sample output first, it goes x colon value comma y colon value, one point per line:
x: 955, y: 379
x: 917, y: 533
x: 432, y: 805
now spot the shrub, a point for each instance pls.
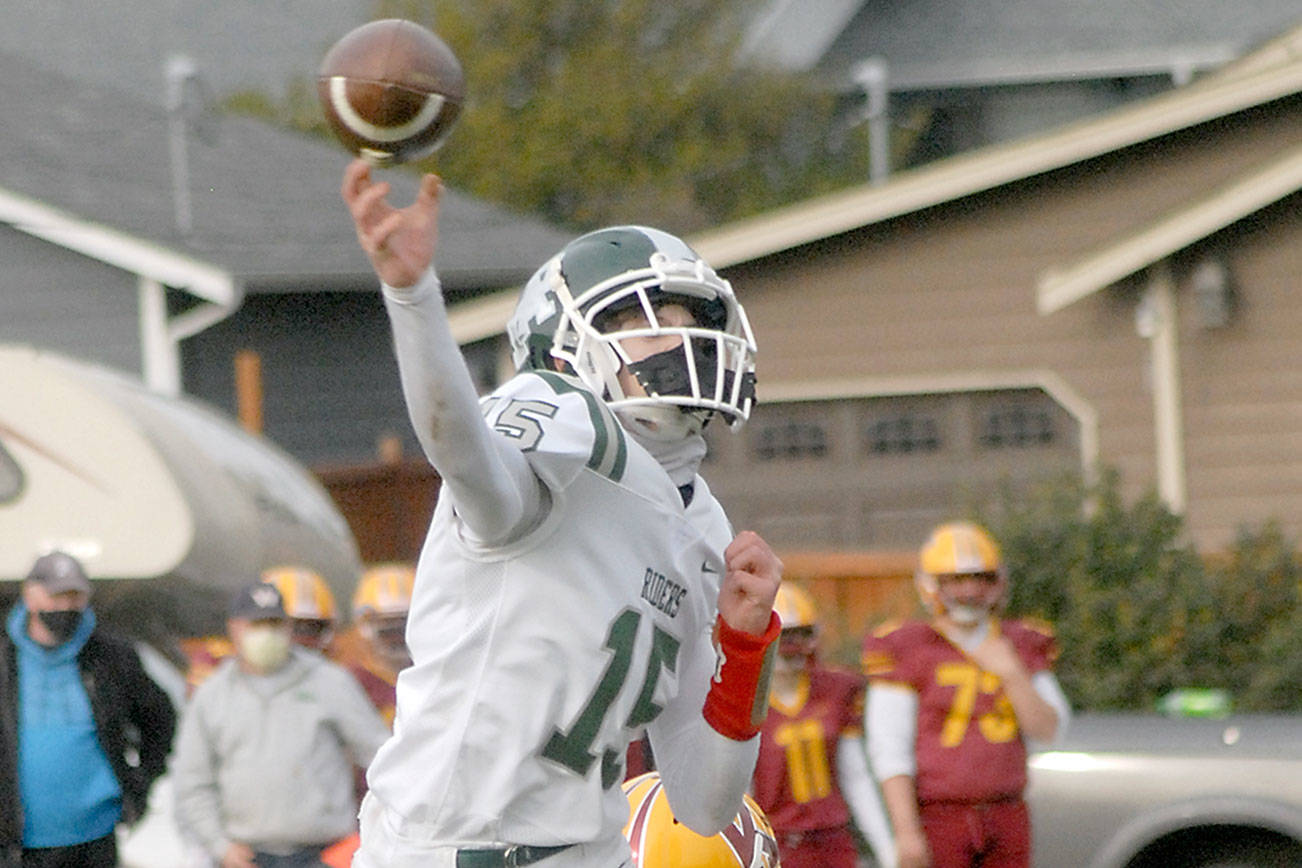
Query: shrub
x: 1137, y: 611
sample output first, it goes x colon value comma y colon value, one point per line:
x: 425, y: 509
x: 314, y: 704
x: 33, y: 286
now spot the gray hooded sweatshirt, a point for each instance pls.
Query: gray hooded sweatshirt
x: 267, y: 760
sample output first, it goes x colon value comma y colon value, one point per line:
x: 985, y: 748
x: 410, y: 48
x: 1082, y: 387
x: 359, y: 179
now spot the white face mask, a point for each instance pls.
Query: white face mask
x: 265, y: 648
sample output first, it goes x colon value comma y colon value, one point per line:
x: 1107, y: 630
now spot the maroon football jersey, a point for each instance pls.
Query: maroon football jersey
x: 380, y: 687
x: 795, y: 777
x: 968, y: 746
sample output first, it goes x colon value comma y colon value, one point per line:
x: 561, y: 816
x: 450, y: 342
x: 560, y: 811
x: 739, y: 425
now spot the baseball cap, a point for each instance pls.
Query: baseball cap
x: 58, y: 573
x: 260, y: 601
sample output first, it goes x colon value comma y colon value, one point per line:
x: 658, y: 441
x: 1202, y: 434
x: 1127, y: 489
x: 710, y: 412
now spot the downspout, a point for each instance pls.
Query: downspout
x: 1156, y: 320
x: 161, y: 335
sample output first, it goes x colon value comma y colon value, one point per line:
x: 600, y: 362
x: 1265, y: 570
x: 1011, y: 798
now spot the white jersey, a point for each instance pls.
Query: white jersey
x: 509, y: 729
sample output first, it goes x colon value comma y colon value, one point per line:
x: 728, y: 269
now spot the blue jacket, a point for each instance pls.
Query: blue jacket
x: 133, y: 716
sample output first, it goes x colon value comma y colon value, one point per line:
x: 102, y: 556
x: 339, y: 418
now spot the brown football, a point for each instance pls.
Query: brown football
x: 391, y: 91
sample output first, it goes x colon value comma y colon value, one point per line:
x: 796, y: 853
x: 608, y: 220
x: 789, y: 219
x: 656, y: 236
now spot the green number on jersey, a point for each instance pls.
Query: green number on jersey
x: 573, y: 749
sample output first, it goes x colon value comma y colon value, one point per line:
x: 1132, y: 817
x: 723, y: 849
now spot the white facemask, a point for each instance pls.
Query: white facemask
x: 265, y: 648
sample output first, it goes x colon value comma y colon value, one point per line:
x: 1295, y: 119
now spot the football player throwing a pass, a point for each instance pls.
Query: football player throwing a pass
x: 951, y: 703
x: 579, y: 584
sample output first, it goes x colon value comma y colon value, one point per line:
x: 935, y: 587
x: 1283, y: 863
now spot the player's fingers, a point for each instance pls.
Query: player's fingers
x: 369, y: 207
x: 743, y: 545
x: 371, y: 196
x: 376, y: 236
x: 356, y: 176
x: 750, y: 552
x: 431, y: 187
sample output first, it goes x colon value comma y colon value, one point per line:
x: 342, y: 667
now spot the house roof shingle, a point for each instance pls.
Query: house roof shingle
x: 264, y: 202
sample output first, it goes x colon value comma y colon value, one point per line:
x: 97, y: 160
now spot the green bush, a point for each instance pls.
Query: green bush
x: 1138, y: 612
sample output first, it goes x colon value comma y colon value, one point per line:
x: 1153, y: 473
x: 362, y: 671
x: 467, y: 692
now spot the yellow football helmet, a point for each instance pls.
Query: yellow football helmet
x: 660, y: 841
x: 799, y: 637
x: 385, y: 589
x: 380, y: 606
x: 957, y: 549
x: 795, y: 607
x: 308, y: 602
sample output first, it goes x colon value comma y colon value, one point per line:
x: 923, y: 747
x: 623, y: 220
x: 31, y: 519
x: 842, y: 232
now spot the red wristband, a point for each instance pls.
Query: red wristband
x: 739, y: 692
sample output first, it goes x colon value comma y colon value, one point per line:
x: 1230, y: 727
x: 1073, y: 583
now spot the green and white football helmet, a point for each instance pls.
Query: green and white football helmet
x: 568, y: 309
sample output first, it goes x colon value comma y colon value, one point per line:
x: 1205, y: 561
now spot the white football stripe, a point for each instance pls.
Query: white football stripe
x: 339, y: 100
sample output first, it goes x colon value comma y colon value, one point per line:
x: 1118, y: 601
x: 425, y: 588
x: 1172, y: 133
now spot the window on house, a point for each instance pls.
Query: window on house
x: 903, y: 434
x: 1016, y: 426
x: 787, y: 440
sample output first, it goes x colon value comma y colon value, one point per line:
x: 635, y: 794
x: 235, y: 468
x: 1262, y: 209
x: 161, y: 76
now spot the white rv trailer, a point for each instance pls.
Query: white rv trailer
x: 168, y: 502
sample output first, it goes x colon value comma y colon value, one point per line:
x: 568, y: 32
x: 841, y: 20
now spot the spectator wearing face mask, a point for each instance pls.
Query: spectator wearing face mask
x: 263, y: 772
x: 84, y: 732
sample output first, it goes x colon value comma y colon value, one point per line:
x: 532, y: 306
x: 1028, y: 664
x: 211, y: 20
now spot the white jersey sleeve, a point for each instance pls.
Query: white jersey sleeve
x: 492, y: 487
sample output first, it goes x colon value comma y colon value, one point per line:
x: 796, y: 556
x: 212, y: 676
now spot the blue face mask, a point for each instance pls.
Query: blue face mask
x: 61, y: 623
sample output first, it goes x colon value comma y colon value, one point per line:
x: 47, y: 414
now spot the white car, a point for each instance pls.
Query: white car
x: 1147, y: 791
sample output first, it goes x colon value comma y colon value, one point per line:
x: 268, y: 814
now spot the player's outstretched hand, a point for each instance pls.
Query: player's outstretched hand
x: 399, y: 241
x: 750, y: 583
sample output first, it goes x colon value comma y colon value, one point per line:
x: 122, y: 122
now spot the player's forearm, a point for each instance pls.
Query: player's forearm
x: 490, y: 481
x: 705, y: 774
x: 704, y: 771
x: 1036, y: 718
x: 861, y: 796
x: 901, y: 797
x: 1046, y: 685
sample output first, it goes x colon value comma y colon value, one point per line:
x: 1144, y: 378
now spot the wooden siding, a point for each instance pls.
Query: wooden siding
x: 1243, y: 386
x: 952, y: 289
x: 865, y: 487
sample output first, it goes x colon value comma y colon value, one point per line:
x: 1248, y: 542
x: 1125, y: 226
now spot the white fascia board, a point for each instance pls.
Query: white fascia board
x: 130, y: 253
x: 482, y: 317
x: 795, y: 34
x: 1071, y: 66
x: 1058, y: 287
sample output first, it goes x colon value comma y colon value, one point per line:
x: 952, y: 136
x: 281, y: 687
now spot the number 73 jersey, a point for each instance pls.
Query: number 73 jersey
x: 968, y: 746
x: 535, y: 662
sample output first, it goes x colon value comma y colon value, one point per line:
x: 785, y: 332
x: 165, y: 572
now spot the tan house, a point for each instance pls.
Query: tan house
x: 1123, y: 292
